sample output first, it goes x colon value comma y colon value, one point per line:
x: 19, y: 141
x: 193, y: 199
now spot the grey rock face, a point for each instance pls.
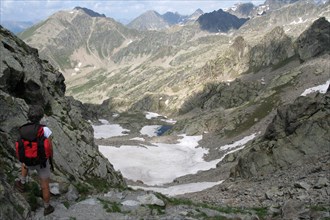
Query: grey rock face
x: 26, y: 79
x: 315, y: 40
x: 299, y: 132
x: 275, y: 47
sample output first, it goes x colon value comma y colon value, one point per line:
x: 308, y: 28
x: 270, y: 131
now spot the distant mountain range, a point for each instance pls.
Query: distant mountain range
x: 152, y: 20
x: 16, y: 26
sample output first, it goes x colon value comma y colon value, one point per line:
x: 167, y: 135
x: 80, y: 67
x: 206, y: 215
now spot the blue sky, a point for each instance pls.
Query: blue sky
x: 37, y: 10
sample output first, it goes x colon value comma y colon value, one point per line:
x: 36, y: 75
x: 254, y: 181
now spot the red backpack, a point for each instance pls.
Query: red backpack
x: 32, y: 147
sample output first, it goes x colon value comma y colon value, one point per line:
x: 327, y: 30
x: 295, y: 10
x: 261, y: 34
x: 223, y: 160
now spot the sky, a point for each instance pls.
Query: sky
x: 38, y: 10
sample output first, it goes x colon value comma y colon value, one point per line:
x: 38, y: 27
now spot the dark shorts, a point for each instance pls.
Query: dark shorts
x: 44, y: 172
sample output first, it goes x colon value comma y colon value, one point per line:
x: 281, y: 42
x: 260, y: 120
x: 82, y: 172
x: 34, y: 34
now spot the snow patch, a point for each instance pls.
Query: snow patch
x: 137, y: 139
x: 151, y: 115
x: 180, y: 189
x: 239, y: 143
x: 107, y: 130
x: 170, y: 121
x: 150, y: 130
x: 320, y: 88
x: 159, y: 164
x: 300, y: 21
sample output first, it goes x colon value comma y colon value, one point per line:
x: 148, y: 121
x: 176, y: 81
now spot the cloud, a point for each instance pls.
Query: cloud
x: 36, y: 10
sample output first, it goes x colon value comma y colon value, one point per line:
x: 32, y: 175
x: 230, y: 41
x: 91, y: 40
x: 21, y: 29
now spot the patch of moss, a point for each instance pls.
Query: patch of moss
x: 262, y: 110
x: 82, y: 189
x: 33, y: 192
x: 156, y: 209
x: 110, y: 206
x: 19, y: 209
x: 261, y: 211
x: 87, y: 86
x: 66, y: 204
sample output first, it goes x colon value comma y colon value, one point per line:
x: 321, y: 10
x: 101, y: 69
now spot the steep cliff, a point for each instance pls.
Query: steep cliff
x: 25, y: 79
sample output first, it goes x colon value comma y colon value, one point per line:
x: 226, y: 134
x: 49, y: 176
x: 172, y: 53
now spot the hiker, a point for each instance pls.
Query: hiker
x: 34, y: 150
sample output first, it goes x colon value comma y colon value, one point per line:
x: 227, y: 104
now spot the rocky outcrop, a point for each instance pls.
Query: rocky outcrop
x: 275, y: 47
x: 315, y: 40
x: 224, y: 95
x: 298, y: 134
x: 25, y: 80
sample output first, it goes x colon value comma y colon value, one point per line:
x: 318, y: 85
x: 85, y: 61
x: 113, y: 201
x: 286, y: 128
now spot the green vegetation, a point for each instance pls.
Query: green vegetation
x: 101, y: 185
x: 19, y: 209
x: 110, y: 206
x: 62, y: 60
x: 87, y: 86
x: 320, y: 208
x: 82, y: 188
x: 156, y: 209
x: 96, y: 73
x: 30, y: 31
x: 261, y: 211
x: 261, y: 111
x: 66, y: 204
x: 33, y: 192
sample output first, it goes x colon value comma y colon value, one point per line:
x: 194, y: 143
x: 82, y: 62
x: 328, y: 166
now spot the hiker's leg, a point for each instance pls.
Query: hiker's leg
x: 44, y: 183
x: 24, y: 173
x: 44, y: 175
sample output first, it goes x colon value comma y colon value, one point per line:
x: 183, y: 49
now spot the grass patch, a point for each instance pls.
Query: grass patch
x: 19, y: 209
x: 261, y: 211
x: 319, y: 208
x: 30, y: 31
x: 33, y: 192
x: 82, y: 189
x: 87, y: 86
x: 100, y: 185
x: 110, y: 206
x: 66, y: 204
x: 262, y: 110
x: 156, y: 209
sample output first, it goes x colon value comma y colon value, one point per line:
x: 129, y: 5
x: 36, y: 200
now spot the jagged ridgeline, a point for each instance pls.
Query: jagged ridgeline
x: 25, y: 79
x: 101, y: 59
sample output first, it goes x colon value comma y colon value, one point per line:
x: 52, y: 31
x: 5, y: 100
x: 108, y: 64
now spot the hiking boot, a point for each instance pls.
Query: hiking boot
x: 48, y: 210
x: 20, y: 186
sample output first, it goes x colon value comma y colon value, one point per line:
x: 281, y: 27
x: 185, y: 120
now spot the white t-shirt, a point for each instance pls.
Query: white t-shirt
x: 47, y: 132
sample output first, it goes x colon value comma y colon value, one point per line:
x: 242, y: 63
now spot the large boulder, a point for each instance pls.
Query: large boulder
x: 315, y: 40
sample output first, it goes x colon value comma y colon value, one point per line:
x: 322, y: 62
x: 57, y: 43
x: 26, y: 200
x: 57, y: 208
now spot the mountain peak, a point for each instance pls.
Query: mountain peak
x: 89, y: 12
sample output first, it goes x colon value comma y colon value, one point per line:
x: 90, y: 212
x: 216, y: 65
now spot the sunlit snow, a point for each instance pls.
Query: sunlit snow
x: 137, y: 139
x: 159, y: 164
x: 180, y: 189
x: 170, y: 121
x: 150, y: 130
x: 107, y: 130
x: 320, y: 88
x: 151, y: 115
x: 239, y: 143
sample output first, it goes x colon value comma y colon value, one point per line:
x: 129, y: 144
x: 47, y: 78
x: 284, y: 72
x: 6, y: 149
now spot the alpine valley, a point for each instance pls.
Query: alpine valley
x: 251, y: 81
